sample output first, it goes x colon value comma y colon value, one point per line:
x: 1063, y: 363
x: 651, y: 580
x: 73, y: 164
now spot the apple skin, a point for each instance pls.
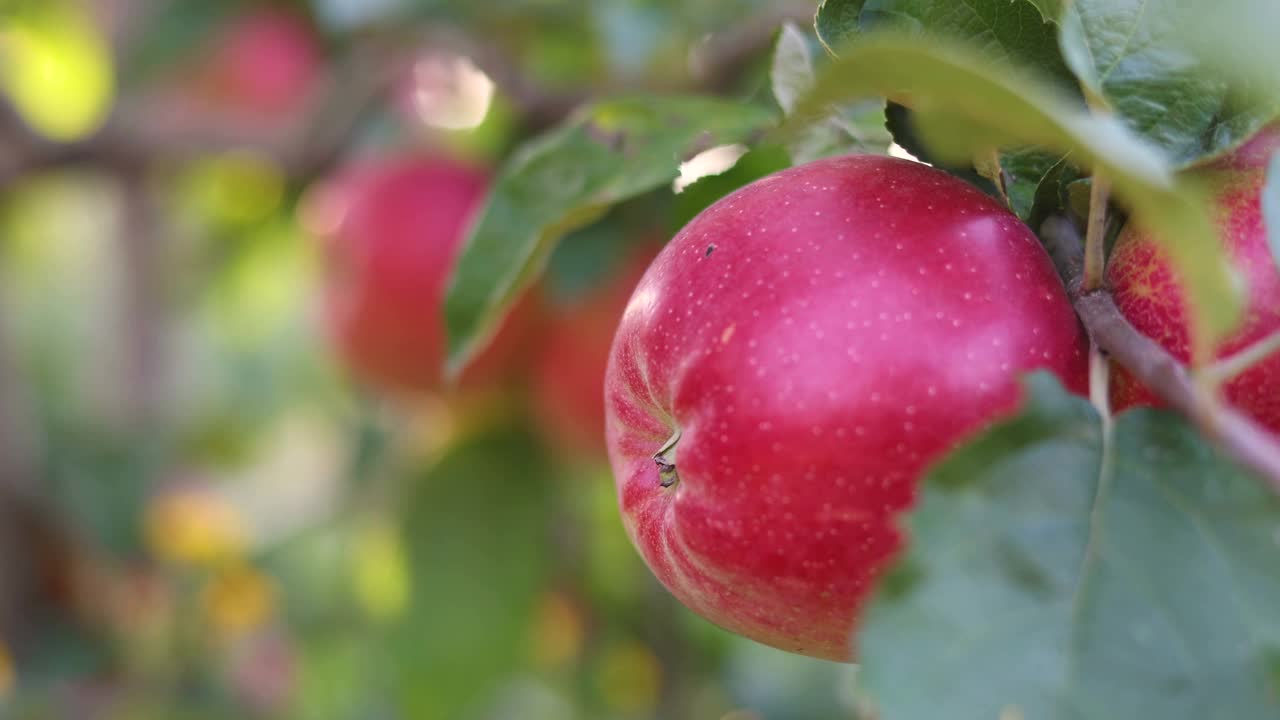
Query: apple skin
x: 570, y: 367
x: 398, y: 226
x: 819, y: 337
x: 1149, y: 293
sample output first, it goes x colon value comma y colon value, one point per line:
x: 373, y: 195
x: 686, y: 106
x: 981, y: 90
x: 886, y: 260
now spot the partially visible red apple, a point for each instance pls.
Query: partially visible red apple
x: 1150, y: 294
x: 569, y: 370
x: 791, y: 364
x: 395, y: 228
x: 266, y: 62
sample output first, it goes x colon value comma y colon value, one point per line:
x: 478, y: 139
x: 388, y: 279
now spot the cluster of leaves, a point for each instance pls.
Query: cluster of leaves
x: 1063, y: 565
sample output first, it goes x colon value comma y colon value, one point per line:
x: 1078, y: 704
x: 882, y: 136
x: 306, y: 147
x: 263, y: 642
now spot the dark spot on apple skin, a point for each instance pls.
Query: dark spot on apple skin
x: 710, y: 249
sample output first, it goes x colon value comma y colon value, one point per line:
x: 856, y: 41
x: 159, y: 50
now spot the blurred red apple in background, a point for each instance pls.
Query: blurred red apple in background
x: 569, y: 372
x: 395, y: 228
x: 266, y: 62
x: 791, y: 364
x: 1149, y: 293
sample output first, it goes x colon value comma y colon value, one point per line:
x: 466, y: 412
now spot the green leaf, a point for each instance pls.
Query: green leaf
x: 938, y: 77
x: 605, y: 153
x: 755, y: 164
x: 1235, y: 37
x: 476, y: 540
x: 1009, y: 31
x: 1271, y: 205
x: 791, y: 75
x: 1130, y: 58
x: 1050, y: 10
x: 902, y: 123
x: 1022, y: 171
x: 1050, y: 195
x: 856, y: 128
x: 837, y: 21
x: 1055, y: 575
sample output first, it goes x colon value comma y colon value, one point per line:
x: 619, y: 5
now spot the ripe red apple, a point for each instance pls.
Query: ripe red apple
x: 570, y: 367
x: 395, y: 229
x: 1149, y: 293
x: 793, y: 361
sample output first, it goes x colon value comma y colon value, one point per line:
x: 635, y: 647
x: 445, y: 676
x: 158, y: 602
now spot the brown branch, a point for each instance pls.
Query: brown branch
x: 1237, y: 435
x: 142, y: 302
x: 141, y: 131
x: 33, y: 545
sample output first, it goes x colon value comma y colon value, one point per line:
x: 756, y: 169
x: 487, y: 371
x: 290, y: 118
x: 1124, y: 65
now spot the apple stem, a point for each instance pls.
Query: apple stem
x: 665, y: 458
x: 1237, y: 363
x: 1095, y: 235
x: 1236, y: 434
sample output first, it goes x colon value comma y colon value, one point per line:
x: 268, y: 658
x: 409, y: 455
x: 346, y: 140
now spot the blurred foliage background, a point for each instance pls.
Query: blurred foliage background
x: 203, y: 514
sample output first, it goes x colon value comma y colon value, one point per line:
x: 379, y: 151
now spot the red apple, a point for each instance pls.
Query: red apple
x: 266, y: 62
x: 570, y: 367
x: 395, y: 228
x: 257, y: 73
x: 1149, y: 292
x: 791, y: 364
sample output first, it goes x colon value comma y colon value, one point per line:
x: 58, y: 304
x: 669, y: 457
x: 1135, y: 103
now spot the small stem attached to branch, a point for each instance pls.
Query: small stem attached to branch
x: 1237, y: 435
x: 1095, y: 236
x: 1238, y: 363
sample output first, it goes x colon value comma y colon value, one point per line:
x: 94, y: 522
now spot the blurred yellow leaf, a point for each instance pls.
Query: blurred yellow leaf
x: 239, y: 599
x: 6, y: 672
x: 56, y: 66
x: 557, y: 632
x: 381, y: 572
x: 194, y: 527
x: 239, y: 188
x: 630, y: 678
x: 265, y: 292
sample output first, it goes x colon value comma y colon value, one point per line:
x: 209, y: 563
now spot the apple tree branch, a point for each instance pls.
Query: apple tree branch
x: 1236, y: 434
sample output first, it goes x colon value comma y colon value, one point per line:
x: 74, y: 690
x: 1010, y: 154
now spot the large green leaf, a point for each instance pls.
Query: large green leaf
x: 1053, y: 574
x: 1050, y: 10
x: 1013, y: 32
x: 1130, y: 56
x: 975, y: 103
x: 1009, y: 31
x: 476, y: 541
x: 1235, y: 37
x: 837, y: 21
x: 604, y: 154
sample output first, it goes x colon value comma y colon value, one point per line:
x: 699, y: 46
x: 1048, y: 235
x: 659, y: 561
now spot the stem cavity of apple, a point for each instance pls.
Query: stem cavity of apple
x: 665, y: 458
